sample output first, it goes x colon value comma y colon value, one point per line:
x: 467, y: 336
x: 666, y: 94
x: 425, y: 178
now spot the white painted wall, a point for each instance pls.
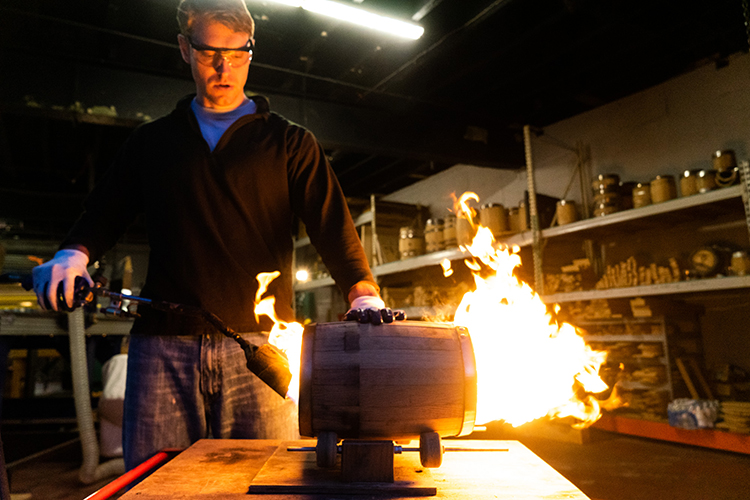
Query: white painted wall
x: 490, y: 184
x: 666, y: 129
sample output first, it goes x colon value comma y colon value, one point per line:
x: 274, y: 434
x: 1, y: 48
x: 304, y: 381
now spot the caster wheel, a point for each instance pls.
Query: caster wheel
x: 326, y: 450
x: 430, y: 450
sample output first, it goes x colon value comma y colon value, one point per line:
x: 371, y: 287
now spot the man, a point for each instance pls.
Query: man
x: 220, y: 180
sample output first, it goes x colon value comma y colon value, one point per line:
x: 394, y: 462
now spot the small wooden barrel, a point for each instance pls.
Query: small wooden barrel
x: 706, y: 181
x: 641, y: 195
x: 605, y: 183
x: 740, y: 263
x: 391, y: 381
x: 410, y: 243
x: 433, y: 235
x: 663, y: 188
x: 449, y: 231
x: 492, y: 216
x: 566, y: 212
x: 724, y: 160
x: 688, y: 183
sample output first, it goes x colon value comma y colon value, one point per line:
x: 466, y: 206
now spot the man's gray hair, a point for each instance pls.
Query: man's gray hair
x: 231, y: 13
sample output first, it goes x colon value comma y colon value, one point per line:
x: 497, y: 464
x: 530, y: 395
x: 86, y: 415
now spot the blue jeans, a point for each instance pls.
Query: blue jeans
x: 184, y: 388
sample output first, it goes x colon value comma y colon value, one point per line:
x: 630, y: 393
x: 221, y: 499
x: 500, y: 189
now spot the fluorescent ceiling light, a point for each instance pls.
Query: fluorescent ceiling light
x: 358, y: 16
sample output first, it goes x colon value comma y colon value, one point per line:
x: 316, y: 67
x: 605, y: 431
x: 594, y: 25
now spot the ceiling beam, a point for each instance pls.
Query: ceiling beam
x: 134, y: 95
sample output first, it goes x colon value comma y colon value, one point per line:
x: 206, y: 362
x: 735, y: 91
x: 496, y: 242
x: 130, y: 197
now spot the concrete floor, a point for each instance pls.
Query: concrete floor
x: 612, y: 467
x: 619, y: 467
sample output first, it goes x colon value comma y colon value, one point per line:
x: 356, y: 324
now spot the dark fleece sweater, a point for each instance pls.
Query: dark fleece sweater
x: 217, y: 219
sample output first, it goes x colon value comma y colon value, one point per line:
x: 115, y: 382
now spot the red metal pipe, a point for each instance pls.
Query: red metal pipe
x: 130, y: 476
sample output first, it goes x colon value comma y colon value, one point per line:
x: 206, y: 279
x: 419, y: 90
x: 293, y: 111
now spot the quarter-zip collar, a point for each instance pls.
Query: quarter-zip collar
x: 262, y: 111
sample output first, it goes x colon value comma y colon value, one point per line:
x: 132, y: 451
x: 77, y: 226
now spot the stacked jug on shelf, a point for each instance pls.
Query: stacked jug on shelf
x: 607, y: 199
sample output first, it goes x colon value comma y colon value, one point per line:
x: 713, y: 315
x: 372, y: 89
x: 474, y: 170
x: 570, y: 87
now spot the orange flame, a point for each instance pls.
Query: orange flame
x: 446, y: 265
x: 286, y: 336
x: 462, y: 208
x: 528, y: 366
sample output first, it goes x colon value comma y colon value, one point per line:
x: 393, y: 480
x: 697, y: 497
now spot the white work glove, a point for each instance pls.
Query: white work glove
x: 64, y: 267
x: 371, y: 309
x: 367, y: 302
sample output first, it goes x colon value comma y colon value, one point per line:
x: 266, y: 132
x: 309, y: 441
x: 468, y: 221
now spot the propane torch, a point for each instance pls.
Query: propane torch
x: 267, y: 362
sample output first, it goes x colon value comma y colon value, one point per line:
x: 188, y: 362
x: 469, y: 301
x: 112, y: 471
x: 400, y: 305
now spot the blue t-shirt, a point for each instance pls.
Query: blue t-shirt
x: 214, y: 123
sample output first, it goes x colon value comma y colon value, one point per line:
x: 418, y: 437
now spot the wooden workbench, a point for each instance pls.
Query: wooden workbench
x: 214, y: 469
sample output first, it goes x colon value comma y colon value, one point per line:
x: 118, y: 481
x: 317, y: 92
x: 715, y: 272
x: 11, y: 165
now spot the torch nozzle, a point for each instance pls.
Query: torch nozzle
x: 270, y: 365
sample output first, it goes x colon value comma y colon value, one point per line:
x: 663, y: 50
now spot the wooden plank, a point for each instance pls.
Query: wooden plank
x: 213, y: 467
x: 345, y: 422
x: 701, y: 379
x: 414, y: 329
x: 335, y: 395
x: 398, y: 414
x: 351, y: 376
x: 343, y: 375
x: 206, y: 471
x: 415, y: 376
x: 372, y: 343
x: 371, y: 396
x: 367, y: 460
x: 707, y: 438
x: 354, y: 427
x: 517, y: 474
x: 289, y: 472
x: 329, y: 340
x: 412, y: 396
x: 447, y: 426
x: 686, y: 378
x: 388, y: 358
x: 434, y: 361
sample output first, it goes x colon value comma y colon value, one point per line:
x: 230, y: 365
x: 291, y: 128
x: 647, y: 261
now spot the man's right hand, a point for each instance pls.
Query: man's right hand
x: 64, y: 267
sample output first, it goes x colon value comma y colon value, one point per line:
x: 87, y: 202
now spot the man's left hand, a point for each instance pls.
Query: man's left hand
x: 371, y: 309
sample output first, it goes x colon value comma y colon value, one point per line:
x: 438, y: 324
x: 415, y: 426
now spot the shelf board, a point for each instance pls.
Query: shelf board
x: 624, y: 338
x: 658, y: 319
x: 46, y: 324
x: 708, y: 438
x: 523, y: 239
x: 434, y: 258
x: 398, y: 266
x: 363, y: 218
x: 426, y: 260
x: 704, y: 285
x: 616, y: 220
x: 633, y: 385
x: 688, y: 207
x: 312, y: 285
x: 637, y: 361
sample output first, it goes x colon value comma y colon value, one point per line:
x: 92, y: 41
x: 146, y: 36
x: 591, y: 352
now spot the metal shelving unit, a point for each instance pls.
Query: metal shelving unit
x: 703, y: 206
x: 693, y: 286
x: 682, y: 208
x: 413, y: 263
x: 634, y: 361
x: 696, y: 207
x: 718, y: 200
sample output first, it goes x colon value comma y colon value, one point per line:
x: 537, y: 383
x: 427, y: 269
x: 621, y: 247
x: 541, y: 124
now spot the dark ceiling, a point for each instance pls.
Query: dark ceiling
x: 388, y: 111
